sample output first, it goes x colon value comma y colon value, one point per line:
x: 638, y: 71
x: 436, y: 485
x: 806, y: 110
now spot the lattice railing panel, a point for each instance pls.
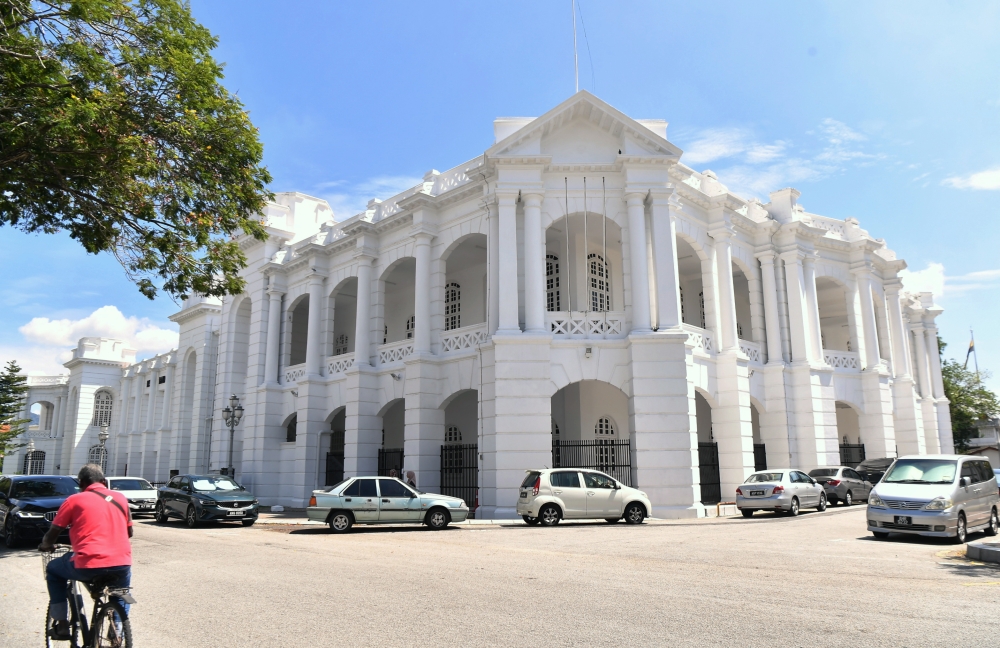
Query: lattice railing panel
x: 395, y: 351
x: 844, y: 360
x: 293, y: 373
x: 751, y: 350
x: 467, y: 337
x: 590, y: 325
x: 699, y: 338
x: 339, y: 364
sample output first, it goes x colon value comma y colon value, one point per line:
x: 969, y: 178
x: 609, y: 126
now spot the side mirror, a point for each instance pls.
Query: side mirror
x: 618, y: 486
x: 966, y: 482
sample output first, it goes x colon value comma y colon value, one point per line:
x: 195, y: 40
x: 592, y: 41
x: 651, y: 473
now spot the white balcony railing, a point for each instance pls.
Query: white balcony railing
x: 394, y: 351
x: 842, y: 360
x: 751, y: 350
x: 338, y: 364
x: 293, y: 373
x: 590, y: 326
x: 699, y: 338
x: 467, y: 337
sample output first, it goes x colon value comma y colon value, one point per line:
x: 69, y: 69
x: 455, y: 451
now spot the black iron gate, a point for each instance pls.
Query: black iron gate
x: 334, y: 468
x: 708, y: 463
x: 759, y: 457
x: 390, y: 459
x: 613, y: 458
x: 460, y: 472
x: 851, y: 454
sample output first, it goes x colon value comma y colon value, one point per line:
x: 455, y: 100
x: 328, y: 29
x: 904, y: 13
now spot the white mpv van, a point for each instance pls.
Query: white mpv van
x: 946, y: 496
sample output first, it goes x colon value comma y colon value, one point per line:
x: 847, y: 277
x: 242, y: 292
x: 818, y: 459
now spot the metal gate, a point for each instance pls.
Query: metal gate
x: 460, y: 472
x: 759, y: 457
x: 708, y: 463
x: 390, y: 459
x: 851, y: 454
x: 334, y: 468
x: 612, y: 457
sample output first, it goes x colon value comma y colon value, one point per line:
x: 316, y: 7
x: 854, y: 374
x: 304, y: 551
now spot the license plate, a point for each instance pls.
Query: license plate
x: 524, y: 494
x: 903, y: 520
x: 145, y: 506
x: 234, y: 513
x: 754, y: 493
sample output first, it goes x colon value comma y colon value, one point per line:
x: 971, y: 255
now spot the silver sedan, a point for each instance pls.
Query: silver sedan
x: 784, y: 490
x: 382, y: 500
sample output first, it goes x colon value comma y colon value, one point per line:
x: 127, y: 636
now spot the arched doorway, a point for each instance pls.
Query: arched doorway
x: 710, y: 477
x: 852, y: 450
x: 333, y: 446
x: 590, y: 429
x: 759, y: 449
x: 460, y: 450
x: 390, y: 454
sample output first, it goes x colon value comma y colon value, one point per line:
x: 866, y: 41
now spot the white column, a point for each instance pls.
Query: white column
x: 772, y: 326
x: 273, y: 337
x: 56, y: 415
x: 509, y: 324
x: 868, y: 328
x: 154, y: 377
x: 934, y: 361
x: 812, y: 308
x: 921, y: 359
x: 900, y: 342
x: 798, y: 318
x: 727, y: 297
x: 422, y: 294
x: 168, y: 393
x: 139, y: 380
x: 637, y: 256
x: 493, y: 271
x: 534, y: 265
x: 362, y: 326
x: 314, y: 335
x: 668, y: 301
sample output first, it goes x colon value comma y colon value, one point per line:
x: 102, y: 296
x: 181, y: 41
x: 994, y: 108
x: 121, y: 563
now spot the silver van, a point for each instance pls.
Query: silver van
x: 946, y: 496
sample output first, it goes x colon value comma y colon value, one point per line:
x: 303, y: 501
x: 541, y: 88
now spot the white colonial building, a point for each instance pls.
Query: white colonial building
x: 574, y: 295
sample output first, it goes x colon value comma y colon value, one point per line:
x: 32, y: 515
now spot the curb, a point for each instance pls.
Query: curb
x: 983, y: 551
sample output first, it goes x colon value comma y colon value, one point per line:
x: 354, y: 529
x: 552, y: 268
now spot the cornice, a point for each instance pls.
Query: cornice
x: 194, y: 311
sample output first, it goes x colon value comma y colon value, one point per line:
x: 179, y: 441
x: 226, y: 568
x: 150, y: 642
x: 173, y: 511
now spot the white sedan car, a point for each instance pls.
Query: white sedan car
x: 782, y: 490
x: 140, y: 493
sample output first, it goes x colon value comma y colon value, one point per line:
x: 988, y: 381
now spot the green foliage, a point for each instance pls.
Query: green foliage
x: 13, y: 390
x: 114, y: 128
x: 970, y: 400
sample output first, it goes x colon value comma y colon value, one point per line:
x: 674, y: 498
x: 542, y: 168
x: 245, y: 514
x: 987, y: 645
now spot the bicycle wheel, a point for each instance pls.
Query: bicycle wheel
x: 112, y: 628
x: 74, y: 630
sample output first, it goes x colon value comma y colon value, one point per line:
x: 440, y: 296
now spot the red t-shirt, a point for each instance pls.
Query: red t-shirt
x: 97, y: 529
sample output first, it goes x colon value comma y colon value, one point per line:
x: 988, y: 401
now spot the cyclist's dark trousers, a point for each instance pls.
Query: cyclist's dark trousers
x: 61, y: 570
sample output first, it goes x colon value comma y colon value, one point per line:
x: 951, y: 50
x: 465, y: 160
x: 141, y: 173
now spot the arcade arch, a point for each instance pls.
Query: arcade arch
x: 691, y: 284
x: 583, y: 264
x: 834, y: 323
x: 397, y: 289
x: 241, y: 345
x: 345, y: 312
x: 465, y: 283
x: 298, y: 330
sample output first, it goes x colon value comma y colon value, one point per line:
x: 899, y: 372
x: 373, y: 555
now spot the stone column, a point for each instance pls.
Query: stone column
x: 422, y: 294
x: 493, y: 270
x: 362, y: 322
x: 507, y: 262
x: 168, y: 398
x: 56, y: 413
x: 314, y: 334
x: 812, y: 305
x: 869, y: 330
x: 534, y: 265
x: 923, y: 383
x: 772, y: 326
x: 273, y: 337
x: 897, y: 332
x: 798, y: 319
x: 638, y: 265
x: 139, y: 379
x: 934, y: 361
x: 154, y: 377
x: 941, y: 404
x: 668, y: 303
x: 727, y: 297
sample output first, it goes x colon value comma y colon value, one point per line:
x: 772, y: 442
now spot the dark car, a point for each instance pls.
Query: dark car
x: 28, y: 504
x: 842, y: 485
x: 205, y: 498
x: 872, y: 470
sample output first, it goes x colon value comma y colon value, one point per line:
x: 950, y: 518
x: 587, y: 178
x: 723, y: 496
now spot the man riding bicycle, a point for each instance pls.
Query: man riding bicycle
x: 99, y: 530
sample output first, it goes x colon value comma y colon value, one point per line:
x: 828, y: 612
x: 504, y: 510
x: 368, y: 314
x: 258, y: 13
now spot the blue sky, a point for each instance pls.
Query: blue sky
x: 887, y: 112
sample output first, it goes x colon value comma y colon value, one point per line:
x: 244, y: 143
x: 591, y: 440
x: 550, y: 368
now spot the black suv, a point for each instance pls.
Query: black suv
x: 28, y: 504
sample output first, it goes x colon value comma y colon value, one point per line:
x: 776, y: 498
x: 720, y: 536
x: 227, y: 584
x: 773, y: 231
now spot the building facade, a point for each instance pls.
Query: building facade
x: 574, y: 294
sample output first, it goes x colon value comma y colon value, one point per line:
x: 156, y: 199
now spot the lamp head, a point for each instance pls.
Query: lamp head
x: 238, y: 413
x: 103, y: 434
x: 234, y: 401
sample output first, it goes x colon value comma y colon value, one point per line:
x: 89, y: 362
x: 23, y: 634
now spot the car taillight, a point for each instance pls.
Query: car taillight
x: 778, y: 490
x: 538, y: 483
x: 312, y: 501
x: 833, y: 482
x: 738, y: 491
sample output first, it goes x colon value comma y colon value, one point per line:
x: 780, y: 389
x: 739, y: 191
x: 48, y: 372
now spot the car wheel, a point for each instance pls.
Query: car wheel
x: 340, y: 522
x: 530, y: 520
x: 822, y: 503
x: 793, y: 510
x: 549, y: 515
x: 9, y: 533
x: 191, y: 518
x: 612, y: 520
x: 848, y: 499
x: 961, y: 530
x: 160, y: 515
x: 748, y: 513
x: 994, y: 526
x: 880, y: 535
x: 248, y: 523
x: 635, y: 513
x: 437, y: 519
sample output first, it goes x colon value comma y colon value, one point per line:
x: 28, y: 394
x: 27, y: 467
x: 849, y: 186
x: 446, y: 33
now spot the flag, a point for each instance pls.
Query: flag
x: 972, y: 348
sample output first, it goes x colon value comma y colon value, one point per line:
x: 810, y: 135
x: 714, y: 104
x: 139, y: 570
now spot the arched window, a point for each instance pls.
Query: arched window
x: 604, y: 429
x: 599, y: 283
x: 340, y: 347
x: 410, y: 324
x: 34, y: 463
x: 102, y: 408
x: 552, y: 298
x: 98, y: 455
x: 452, y: 307
x: 453, y: 435
x: 290, y: 429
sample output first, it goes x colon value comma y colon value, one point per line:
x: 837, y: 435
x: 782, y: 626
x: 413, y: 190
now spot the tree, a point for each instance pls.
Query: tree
x: 970, y: 400
x: 114, y: 128
x: 13, y: 388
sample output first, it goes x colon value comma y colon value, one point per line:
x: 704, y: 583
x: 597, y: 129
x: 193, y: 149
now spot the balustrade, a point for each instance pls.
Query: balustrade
x: 394, y: 351
x: 751, y: 350
x: 339, y: 363
x: 467, y: 337
x: 842, y: 360
x: 699, y: 338
x: 589, y: 325
x: 293, y: 373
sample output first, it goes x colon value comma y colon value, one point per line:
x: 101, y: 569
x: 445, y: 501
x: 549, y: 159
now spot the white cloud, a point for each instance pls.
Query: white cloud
x: 930, y: 279
x: 715, y: 144
x: 988, y: 180
x: 934, y: 279
x: 348, y: 199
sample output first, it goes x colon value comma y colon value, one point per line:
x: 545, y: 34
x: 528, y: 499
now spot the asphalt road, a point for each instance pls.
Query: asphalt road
x: 815, y: 580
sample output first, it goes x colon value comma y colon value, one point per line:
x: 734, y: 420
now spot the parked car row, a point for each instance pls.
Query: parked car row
x: 786, y: 490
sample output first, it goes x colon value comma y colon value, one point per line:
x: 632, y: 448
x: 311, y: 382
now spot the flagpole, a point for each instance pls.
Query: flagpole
x: 975, y: 356
x: 576, y: 60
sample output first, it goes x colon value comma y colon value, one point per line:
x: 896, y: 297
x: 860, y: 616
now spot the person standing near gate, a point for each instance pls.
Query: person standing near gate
x: 411, y: 479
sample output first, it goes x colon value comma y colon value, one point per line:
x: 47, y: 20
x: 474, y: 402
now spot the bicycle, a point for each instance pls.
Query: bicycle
x: 109, y: 626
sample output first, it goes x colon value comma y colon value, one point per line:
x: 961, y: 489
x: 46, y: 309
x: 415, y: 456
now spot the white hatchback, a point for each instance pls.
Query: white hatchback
x: 547, y: 496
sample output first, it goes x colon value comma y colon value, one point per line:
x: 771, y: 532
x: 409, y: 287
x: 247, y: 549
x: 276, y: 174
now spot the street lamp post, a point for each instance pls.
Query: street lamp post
x: 232, y: 415
x: 103, y: 436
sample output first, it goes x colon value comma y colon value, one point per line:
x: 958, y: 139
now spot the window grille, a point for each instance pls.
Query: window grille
x: 290, y: 429
x: 340, y: 347
x: 682, y: 302
x: 34, y: 463
x: 102, y: 408
x: 453, y: 435
x: 599, y: 278
x: 552, y: 297
x: 605, y: 432
x: 385, y: 334
x: 410, y: 324
x: 701, y: 301
x: 98, y: 454
x: 452, y: 307
x: 739, y: 330
x: 604, y: 428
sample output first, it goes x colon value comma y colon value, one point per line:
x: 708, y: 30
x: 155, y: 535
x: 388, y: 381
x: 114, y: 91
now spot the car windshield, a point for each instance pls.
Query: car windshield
x: 759, y: 478
x: 529, y: 479
x: 51, y: 487
x: 130, y: 485
x: 824, y: 472
x: 922, y: 471
x: 336, y: 486
x: 209, y: 484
